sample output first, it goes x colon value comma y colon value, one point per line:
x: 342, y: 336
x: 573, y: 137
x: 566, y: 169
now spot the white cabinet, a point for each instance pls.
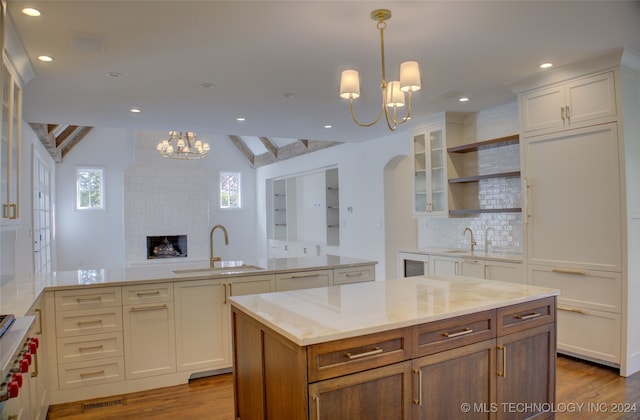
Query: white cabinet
x: 476, y: 267
x: 573, y: 205
x: 38, y: 384
x: 357, y: 274
x: 443, y: 266
x: 304, y: 280
x: 10, y: 139
x: 149, y: 331
x: 504, y: 271
x: 580, y: 102
x: 430, y: 173
x: 202, y: 325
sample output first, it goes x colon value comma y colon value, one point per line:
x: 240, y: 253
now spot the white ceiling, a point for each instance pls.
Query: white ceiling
x: 255, y: 52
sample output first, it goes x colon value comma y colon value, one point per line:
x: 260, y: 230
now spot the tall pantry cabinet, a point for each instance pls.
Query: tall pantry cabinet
x: 581, y: 204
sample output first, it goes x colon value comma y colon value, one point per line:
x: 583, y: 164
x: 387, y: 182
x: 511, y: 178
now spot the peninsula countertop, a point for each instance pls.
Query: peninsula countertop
x: 18, y: 293
x: 319, y: 315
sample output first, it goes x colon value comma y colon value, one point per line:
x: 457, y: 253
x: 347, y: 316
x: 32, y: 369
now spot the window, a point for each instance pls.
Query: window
x: 90, y: 189
x: 230, y: 190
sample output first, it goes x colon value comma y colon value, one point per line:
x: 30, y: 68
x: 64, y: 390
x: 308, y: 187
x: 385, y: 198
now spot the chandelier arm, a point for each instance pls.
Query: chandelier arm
x: 353, y: 115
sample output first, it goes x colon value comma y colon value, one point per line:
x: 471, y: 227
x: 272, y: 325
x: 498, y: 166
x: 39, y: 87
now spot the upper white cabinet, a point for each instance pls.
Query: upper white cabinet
x: 569, y: 105
x: 10, y: 146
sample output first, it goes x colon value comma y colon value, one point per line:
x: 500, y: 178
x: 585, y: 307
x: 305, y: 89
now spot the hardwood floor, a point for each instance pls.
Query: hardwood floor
x: 584, y: 391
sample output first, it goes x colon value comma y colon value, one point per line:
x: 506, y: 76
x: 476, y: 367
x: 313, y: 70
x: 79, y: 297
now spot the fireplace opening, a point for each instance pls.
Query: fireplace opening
x: 167, y: 246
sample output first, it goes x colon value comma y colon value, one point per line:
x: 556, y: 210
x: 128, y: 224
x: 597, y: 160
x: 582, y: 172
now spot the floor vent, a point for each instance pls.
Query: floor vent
x: 102, y: 404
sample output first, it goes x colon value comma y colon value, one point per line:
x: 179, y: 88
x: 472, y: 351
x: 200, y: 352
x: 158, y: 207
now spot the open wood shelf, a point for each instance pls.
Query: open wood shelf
x: 477, y: 178
x: 474, y: 147
x: 478, y: 211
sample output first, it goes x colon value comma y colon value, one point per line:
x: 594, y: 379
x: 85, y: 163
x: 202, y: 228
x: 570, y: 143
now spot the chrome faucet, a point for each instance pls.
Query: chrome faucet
x: 226, y: 242
x: 473, y: 241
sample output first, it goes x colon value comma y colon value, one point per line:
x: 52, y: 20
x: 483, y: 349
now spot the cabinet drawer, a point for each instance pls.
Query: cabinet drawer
x: 353, y: 274
x: 147, y: 293
x: 438, y: 336
x: 304, y: 280
x: 599, y: 290
x: 337, y: 358
x: 89, y: 347
x: 94, y: 297
x: 81, y: 374
x: 90, y: 321
x: 526, y: 315
x: 588, y: 333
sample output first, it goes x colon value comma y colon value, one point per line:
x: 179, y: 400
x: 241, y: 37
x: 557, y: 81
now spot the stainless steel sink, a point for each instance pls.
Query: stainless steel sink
x: 229, y: 269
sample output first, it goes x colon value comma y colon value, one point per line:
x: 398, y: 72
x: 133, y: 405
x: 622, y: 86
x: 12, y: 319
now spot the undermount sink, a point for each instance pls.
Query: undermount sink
x: 226, y: 269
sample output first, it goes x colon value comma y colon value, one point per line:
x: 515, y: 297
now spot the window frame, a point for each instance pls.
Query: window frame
x: 103, y: 195
x: 221, y: 174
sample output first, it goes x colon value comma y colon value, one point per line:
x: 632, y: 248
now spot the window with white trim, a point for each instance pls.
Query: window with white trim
x: 90, y: 189
x: 230, y: 190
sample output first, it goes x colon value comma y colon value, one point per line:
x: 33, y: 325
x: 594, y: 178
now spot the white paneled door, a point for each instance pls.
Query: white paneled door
x: 42, y: 229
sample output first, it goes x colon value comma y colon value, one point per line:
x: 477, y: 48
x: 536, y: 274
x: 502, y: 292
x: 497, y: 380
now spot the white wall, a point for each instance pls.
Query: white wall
x: 96, y: 239
x: 16, y: 256
x: 361, y: 171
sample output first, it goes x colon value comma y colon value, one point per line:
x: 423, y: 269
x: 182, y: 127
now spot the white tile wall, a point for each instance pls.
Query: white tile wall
x: 164, y: 197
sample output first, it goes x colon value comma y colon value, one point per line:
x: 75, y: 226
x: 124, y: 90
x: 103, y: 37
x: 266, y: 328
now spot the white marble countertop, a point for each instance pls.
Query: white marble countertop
x: 314, y: 316
x: 18, y: 293
x: 465, y: 253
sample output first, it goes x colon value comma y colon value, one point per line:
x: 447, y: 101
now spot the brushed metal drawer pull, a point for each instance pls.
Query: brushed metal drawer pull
x: 358, y: 274
x: 503, y: 374
x: 95, y: 372
x: 88, y: 299
x: 418, y: 400
x: 458, y: 334
x: 155, y: 292
x: 578, y: 311
x: 91, y: 348
x: 95, y: 321
x: 528, y: 316
x: 316, y: 398
x: 375, y: 350
x: 305, y: 277
x: 148, y: 308
x: 568, y: 271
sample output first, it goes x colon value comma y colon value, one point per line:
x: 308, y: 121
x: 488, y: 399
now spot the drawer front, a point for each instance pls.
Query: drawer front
x: 147, y: 293
x: 337, y: 358
x: 599, y: 290
x: 588, y: 333
x: 81, y: 374
x: 438, y: 336
x: 304, y: 280
x: 526, y: 315
x: 353, y: 274
x: 90, y: 321
x: 90, y: 298
x: 89, y: 347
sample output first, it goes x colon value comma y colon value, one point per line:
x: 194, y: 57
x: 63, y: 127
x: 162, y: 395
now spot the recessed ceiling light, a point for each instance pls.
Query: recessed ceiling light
x: 135, y: 110
x: 241, y: 119
x: 463, y: 99
x: 288, y: 95
x: 45, y: 58
x: 30, y: 11
x: 207, y: 85
x: 328, y: 126
x: 546, y: 65
x: 114, y: 75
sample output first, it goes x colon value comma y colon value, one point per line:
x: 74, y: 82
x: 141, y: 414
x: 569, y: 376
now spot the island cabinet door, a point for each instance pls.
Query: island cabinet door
x: 458, y: 383
x: 526, y: 373
x: 383, y: 393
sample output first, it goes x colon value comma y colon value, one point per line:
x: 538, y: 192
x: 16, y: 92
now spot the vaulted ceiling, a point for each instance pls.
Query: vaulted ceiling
x: 199, y: 65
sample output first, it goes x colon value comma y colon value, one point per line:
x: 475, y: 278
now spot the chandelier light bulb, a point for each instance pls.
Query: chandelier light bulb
x: 410, y: 76
x: 350, y: 84
x: 395, y: 96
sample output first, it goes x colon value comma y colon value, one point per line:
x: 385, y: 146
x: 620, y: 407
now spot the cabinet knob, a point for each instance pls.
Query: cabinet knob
x: 13, y: 389
x: 24, y: 365
x: 17, y: 377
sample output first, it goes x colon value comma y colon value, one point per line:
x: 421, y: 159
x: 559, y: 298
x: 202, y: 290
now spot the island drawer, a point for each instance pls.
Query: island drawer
x: 81, y: 374
x: 89, y: 321
x: 526, y: 315
x: 437, y: 336
x: 89, y: 347
x: 353, y: 274
x: 93, y: 297
x: 350, y: 355
x: 303, y: 280
x: 147, y: 293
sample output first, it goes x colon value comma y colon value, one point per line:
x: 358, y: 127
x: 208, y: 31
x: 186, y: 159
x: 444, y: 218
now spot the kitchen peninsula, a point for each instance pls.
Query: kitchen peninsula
x: 104, y: 332
x: 409, y: 348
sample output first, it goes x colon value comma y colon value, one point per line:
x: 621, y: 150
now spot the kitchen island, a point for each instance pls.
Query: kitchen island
x: 418, y: 347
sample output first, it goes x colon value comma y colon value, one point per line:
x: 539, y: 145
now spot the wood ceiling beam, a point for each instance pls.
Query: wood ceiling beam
x: 65, y: 135
x: 77, y: 137
x: 61, y: 145
x: 243, y: 148
x: 272, y: 148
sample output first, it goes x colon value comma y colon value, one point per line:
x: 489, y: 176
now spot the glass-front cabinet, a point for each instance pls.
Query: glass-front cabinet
x: 10, y: 147
x: 430, y: 173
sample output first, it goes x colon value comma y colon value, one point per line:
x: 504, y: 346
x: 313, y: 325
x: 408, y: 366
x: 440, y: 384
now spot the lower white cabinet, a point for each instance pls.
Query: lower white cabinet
x: 480, y: 268
x: 304, y: 280
x: 443, y: 266
x: 149, y: 331
x: 202, y: 325
x: 504, y: 271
